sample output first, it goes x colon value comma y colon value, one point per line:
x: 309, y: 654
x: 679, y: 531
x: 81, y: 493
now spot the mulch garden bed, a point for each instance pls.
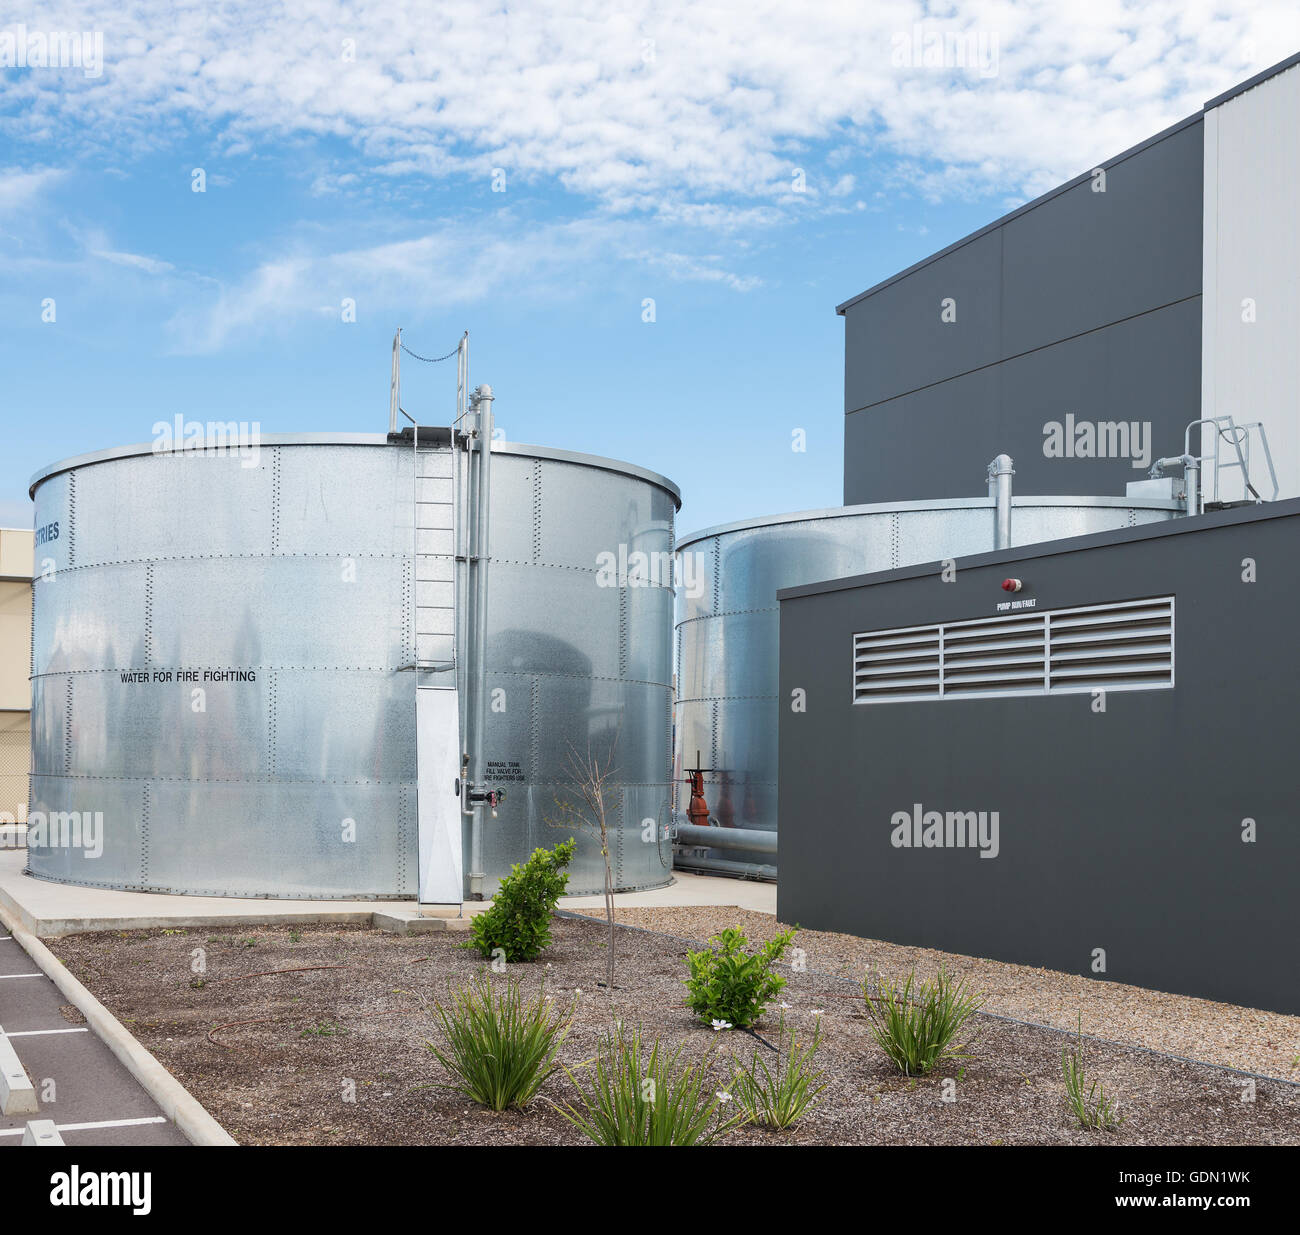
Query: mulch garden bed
x: 277, y: 1057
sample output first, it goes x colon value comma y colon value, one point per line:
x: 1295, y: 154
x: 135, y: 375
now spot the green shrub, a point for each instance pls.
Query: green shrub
x: 632, y: 1099
x: 917, y: 1027
x: 729, y: 987
x: 519, y: 921
x: 1091, y: 1108
x: 780, y: 1097
x: 499, y: 1049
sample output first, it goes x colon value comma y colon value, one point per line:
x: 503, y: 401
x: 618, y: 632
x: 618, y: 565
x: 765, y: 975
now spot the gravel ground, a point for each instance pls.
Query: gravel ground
x: 336, y: 1055
x: 1221, y: 1033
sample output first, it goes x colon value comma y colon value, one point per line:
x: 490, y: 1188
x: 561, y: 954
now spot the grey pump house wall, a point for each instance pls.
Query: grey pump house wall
x: 1120, y: 832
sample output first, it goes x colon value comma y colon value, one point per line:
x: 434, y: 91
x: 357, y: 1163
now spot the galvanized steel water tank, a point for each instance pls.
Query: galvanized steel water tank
x: 280, y: 588
x: 728, y: 617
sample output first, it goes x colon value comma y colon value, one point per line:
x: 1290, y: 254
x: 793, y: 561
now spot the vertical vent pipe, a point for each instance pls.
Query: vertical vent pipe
x: 1000, y: 473
x: 481, y: 550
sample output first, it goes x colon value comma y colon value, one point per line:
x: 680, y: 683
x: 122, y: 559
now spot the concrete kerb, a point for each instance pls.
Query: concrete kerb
x: 175, y: 1101
x: 57, y: 927
x: 49, y: 921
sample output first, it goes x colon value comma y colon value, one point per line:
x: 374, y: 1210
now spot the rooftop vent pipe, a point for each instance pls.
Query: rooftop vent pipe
x: 481, y: 556
x: 1191, y: 466
x: 395, y: 384
x: 1000, y: 473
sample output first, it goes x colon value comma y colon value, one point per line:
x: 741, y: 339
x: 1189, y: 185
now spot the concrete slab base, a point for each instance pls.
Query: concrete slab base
x: 455, y: 913
x: 689, y: 889
x: 412, y: 922
x: 51, y: 910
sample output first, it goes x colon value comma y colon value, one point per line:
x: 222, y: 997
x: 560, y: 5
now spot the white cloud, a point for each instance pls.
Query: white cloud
x: 663, y: 103
x: 333, y: 182
x: 675, y: 120
x: 459, y: 262
x: 706, y: 269
x: 19, y: 189
x: 137, y: 261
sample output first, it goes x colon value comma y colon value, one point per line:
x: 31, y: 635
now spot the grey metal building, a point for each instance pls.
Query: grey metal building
x: 1100, y: 781
x: 1150, y: 291
x: 1075, y: 754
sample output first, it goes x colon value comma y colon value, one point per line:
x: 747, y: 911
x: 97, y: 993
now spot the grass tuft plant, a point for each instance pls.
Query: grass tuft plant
x: 916, y: 1023
x: 777, y: 1098
x: 635, y: 1098
x: 499, y: 1049
x: 1091, y: 1107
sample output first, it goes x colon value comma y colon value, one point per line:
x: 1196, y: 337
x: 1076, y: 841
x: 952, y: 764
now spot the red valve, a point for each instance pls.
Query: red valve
x: 1011, y: 585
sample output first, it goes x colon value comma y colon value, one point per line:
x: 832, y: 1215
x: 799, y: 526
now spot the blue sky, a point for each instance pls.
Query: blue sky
x: 745, y: 165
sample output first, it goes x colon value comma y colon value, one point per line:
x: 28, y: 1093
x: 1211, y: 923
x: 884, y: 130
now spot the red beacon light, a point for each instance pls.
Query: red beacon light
x: 1011, y: 585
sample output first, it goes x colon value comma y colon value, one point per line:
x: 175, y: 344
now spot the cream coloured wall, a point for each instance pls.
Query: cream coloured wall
x: 16, y: 559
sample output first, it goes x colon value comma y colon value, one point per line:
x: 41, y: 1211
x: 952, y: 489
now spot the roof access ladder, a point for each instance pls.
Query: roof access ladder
x: 447, y: 620
x: 434, y: 605
x: 1230, y: 448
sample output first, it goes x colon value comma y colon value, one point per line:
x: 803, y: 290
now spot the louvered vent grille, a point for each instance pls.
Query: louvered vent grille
x: 1128, y: 645
x: 1113, y: 646
x: 897, y: 664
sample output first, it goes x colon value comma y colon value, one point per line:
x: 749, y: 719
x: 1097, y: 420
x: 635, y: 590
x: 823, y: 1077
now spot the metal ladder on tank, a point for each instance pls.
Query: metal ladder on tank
x: 1238, y: 438
x: 435, y: 634
x: 435, y: 616
x: 1220, y: 429
x: 434, y: 584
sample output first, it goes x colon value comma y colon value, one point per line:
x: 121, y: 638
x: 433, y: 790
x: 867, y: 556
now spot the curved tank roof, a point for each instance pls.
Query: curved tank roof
x: 363, y: 439
x: 951, y: 503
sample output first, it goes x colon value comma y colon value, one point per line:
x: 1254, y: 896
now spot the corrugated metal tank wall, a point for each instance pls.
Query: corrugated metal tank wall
x: 580, y: 664
x: 296, y: 571
x: 728, y: 622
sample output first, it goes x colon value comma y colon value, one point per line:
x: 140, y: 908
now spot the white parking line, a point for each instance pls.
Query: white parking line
x: 103, y: 1123
x: 20, y: 975
x: 32, y: 1033
x: 113, y: 1123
